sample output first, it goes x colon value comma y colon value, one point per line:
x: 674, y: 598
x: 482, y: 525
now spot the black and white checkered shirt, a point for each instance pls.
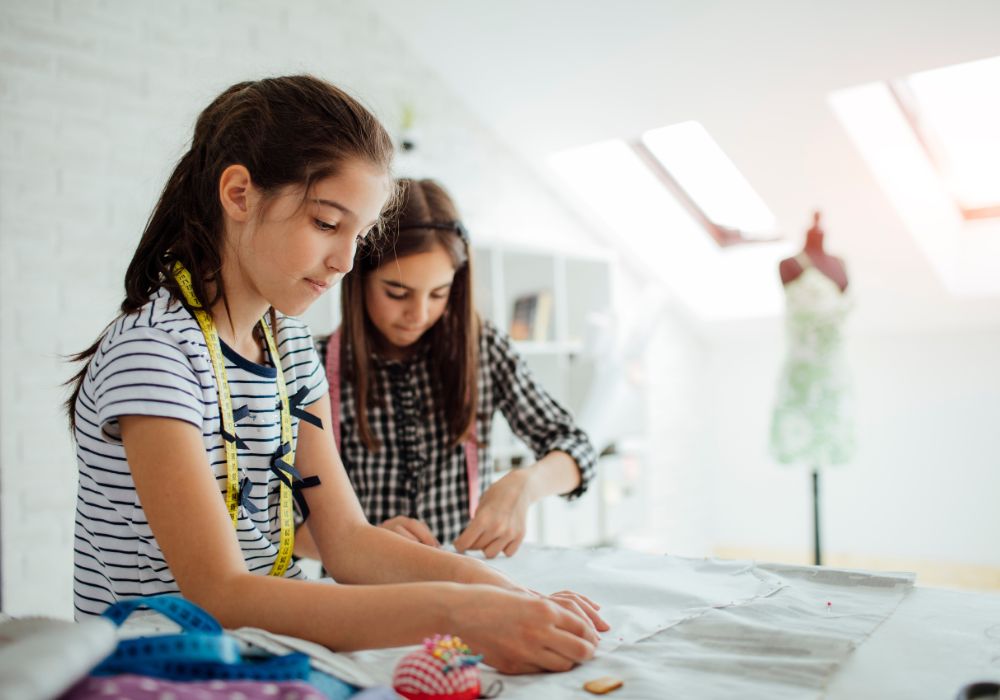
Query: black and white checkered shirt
x: 415, y: 472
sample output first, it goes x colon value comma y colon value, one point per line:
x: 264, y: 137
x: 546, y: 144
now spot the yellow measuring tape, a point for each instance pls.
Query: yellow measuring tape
x: 287, y: 541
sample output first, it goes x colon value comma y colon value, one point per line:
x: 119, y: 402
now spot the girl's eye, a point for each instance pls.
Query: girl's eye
x: 439, y: 297
x: 396, y: 295
x: 324, y: 226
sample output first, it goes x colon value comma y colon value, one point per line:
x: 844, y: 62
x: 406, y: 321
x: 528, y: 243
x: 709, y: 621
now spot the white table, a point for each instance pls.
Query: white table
x: 884, y: 639
x: 935, y: 642
x: 700, y: 628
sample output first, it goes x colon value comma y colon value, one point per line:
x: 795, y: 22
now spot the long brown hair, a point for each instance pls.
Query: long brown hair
x: 293, y: 130
x: 425, y: 217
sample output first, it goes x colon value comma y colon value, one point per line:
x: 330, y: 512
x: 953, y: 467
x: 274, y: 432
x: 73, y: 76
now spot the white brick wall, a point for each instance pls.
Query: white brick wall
x: 97, y: 101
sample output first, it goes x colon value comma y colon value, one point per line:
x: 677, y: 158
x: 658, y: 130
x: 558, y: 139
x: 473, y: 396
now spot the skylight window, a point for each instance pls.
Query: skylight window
x: 955, y: 114
x: 700, y: 174
x: 615, y: 185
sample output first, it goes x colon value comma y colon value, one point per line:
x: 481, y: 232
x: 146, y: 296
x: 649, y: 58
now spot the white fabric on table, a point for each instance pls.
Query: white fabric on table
x: 639, y: 594
x: 699, y: 628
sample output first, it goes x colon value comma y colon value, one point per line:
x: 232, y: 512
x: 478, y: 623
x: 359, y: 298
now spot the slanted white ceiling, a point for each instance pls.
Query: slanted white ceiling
x: 757, y: 74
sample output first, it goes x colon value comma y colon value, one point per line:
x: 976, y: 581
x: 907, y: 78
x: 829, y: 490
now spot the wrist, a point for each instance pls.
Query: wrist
x: 532, y: 481
x: 475, y: 572
x: 447, y: 617
x: 555, y: 473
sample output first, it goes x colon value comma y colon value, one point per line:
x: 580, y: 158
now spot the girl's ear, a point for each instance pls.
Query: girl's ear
x: 234, y: 192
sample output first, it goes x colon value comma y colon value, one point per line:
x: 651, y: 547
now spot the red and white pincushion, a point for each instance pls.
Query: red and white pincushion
x: 444, y: 669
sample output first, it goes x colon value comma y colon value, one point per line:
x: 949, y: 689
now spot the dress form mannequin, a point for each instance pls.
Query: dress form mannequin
x: 833, y: 267
x: 811, y: 424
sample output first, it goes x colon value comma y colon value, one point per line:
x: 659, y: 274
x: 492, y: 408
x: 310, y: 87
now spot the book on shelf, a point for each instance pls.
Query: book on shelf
x: 532, y: 316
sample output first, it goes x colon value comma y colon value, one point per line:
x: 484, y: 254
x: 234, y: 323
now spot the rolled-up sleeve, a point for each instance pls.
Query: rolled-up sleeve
x: 533, y: 415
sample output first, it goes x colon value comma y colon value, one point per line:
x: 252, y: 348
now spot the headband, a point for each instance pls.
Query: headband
x: 455, y: 226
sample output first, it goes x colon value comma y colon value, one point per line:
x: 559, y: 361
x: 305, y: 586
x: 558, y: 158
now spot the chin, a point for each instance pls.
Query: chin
x: 293, y: 308
x: 404, y: 342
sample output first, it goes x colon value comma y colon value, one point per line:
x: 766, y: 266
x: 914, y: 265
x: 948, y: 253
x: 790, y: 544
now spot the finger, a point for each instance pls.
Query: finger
x: 419, y: 529
x: 594, y: 617
x: 513, y: 668
x: 581, y: 596
x: 569, y: 647
x: 512, y: 546
x: 495, y: 547
x: 553, y: 661
x: 403, y: 532
x: 588, y: 607
x: 572, y: 619
x: 481, y: 537
x: 469, y: 536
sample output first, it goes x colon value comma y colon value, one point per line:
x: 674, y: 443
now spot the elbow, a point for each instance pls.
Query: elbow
x: 218, y: 595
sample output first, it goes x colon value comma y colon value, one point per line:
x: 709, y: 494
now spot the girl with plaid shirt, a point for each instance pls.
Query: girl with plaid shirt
x: 416, y: 378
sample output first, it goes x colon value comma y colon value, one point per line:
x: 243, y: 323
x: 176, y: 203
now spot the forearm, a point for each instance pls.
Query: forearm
x: 555, y: 473
x: 377, y: 556
x: 305, y: 545
x: 343, y: 618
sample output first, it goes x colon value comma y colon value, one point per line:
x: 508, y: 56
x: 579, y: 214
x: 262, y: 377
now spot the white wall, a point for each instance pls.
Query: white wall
x: 98, y: 101
x: 924, y: 482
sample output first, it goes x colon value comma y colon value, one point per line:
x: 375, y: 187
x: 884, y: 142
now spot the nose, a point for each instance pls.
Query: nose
x: 340, y: 257
x: 418, y: 310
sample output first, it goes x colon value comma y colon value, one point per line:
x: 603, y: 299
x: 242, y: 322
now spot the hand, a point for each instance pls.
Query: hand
x: 501, y: 519
x: 580, y: 605
x: 520, y: 632
x: 411, y: 529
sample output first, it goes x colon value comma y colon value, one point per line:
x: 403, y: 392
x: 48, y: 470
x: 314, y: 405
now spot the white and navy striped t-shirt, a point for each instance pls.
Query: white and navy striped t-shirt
x: 154, y: 362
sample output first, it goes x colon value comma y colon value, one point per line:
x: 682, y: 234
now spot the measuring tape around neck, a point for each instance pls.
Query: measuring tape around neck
x: 286, y: 453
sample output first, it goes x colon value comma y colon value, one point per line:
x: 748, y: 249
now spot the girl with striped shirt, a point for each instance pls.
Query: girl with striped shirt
x: 202, y: 415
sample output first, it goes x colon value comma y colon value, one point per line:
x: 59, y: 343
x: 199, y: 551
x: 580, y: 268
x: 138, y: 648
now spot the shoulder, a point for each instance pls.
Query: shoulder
x: 162, y: 326
x: 293, y: 334
x: 499, y: 359
x: 494, y: 342
x: 300, y: 362
x: 789, y: 269
x: 791, y: 264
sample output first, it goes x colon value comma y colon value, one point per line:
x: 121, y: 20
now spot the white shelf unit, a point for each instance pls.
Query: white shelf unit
x: 579, y: 285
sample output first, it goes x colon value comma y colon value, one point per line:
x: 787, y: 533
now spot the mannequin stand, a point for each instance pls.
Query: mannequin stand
x: 817, y: 553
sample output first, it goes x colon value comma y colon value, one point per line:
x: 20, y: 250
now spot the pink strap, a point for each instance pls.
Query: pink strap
x: 333, y: 379
x: 472, y: 472
x: 470, y: 446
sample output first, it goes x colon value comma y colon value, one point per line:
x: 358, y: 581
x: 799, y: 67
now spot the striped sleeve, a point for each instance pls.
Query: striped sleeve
x: 532, y: 414
x: 144, y: 371
x: 300, y: 362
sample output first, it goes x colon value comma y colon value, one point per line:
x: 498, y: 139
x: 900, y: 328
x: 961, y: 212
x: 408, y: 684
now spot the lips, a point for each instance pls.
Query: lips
x: 318, y: 288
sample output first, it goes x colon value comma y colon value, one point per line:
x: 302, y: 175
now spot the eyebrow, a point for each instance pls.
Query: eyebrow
x: 400, y: 285
x: 335, y: 205
x: 340, y: 207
